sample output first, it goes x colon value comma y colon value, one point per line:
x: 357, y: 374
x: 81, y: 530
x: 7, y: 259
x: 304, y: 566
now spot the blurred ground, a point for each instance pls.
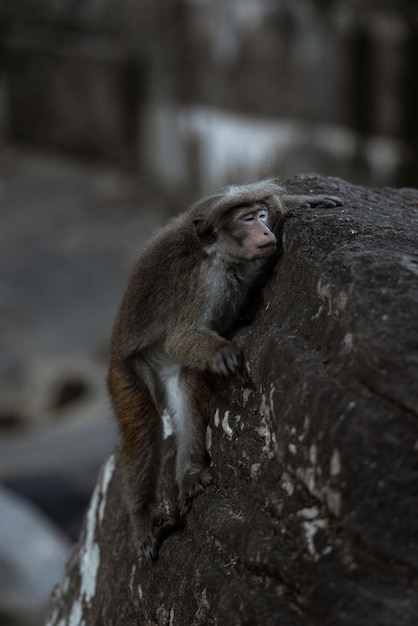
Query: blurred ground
x: 69, y: 232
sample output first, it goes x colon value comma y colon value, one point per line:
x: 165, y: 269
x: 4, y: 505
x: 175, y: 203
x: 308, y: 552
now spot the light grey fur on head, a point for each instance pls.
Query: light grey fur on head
x: 237, y: 194
x: 268, y: 191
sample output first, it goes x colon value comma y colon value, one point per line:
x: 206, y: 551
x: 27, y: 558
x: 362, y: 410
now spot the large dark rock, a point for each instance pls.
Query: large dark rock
x: 313, y: 515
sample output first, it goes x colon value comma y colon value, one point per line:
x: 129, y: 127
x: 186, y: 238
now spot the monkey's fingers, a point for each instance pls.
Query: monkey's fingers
x: 325, y: 201
x: 227, y: 361
x: 185, y: 504
x: 149, y: 545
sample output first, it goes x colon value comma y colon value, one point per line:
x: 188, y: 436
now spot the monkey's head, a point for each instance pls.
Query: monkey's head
x: 234, y: 230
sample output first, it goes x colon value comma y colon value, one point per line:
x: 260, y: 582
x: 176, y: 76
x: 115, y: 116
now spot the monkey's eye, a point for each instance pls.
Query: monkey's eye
x: 262, y: 215
x: 248, y: 217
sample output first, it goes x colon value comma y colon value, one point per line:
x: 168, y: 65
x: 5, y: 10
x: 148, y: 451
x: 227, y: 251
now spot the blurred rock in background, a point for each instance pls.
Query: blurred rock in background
x: 112, y: 116
x: 32, y: 555
x: 196, y: 94
x: 69, y: 233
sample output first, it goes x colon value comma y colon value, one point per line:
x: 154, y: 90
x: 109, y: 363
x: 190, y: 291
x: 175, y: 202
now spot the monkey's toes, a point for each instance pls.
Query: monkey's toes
x: 161, y: 519
x: 228, y: 360
x: 192, y: 485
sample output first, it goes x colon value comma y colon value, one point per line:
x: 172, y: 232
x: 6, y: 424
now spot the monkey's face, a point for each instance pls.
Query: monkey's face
x: 237, y: 234
x: 247, y: 235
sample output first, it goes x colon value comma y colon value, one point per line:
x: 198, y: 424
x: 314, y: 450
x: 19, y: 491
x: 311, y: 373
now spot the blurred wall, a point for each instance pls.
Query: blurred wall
x: 196, y: 93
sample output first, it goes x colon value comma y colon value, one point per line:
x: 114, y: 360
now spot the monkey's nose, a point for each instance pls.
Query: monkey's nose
x: 270, y: 235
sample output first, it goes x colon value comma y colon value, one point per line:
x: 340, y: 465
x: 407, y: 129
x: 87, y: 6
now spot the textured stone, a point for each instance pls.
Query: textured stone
x: 312, y: 518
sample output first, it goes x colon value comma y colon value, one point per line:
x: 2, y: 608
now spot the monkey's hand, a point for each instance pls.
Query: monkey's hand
x: 293, y: 201
x: 227, y: 360
x: 147, y: 543
x: 324, y: 201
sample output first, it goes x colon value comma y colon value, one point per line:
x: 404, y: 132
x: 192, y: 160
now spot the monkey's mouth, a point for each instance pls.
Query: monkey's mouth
x: 268, y: 246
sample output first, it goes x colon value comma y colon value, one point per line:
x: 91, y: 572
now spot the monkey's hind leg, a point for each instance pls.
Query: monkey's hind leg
x: 140, y: 446
x: 193, y: 472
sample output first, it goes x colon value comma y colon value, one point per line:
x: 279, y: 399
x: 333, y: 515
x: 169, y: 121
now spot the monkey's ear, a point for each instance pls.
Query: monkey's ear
x: 205, y: 233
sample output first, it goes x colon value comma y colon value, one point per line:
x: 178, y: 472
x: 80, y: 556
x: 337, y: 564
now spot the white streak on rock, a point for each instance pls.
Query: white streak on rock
x: 333, y: 500
x: 266, y: 429
x: 225, y: 425
x: 90, y: 553
x: 335, y: 463
x: 347, y: 343
x: 89, y: 559
x: 311, y: 528
x: 255, y: 470
x: 245, y: 396
x: 308, y: 512
x: 208, y: 438
x: 107, y: 475
x: 292, y: 448
x: 75, y: 617
x: 313, y: 453
x: 288, y: 486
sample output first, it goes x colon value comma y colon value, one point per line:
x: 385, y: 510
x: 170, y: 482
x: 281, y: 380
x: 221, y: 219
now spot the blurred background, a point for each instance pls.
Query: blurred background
x: 114, y: 114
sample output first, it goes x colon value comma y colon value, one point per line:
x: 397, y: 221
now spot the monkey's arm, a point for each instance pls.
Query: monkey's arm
x: 204, y: 350
x: 285, y: 203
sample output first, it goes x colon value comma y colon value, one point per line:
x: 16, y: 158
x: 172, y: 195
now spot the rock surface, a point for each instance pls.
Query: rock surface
x: 313, y: 516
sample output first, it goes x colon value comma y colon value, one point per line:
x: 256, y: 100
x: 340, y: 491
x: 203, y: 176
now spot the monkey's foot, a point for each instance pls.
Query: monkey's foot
x: 150, y: 539
x: 227, y: 360
x: 162, y: 519
x: 191, y: 486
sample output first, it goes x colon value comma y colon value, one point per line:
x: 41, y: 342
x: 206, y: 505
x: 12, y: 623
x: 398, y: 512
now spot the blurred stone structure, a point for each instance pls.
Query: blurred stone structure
x: 196, y: 93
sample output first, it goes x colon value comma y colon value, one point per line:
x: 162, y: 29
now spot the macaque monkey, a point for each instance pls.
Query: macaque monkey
x: 188, y: 289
